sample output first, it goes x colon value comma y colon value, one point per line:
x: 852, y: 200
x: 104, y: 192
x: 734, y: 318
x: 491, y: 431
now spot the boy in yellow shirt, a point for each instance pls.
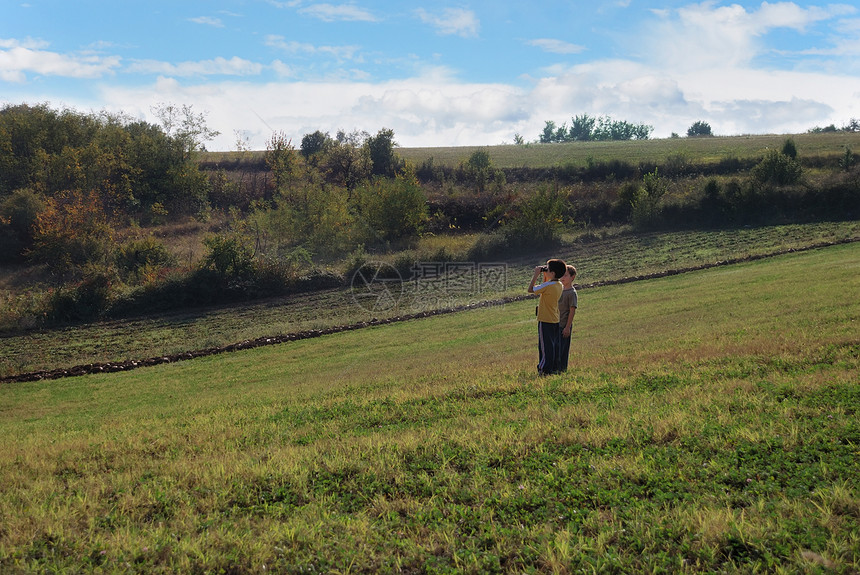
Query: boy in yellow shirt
x: 547, y: 313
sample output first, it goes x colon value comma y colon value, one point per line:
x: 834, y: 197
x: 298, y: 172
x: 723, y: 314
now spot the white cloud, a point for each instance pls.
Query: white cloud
x: 733, y: 101
x: 215, y: 67
x: 208, y: 21
x: 17, y: 59
x: 452, y: 21
x: 556, y: 46
x: 700, y: 62
x: 707, y: 35
x: 434, y: 109
x: 296, y: 48
x: 341, y: 12
x: 29, y: 43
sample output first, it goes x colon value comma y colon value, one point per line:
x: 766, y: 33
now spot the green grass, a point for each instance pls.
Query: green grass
x: 708, y: 424
x: 598, y: 257
x: 694, y: 150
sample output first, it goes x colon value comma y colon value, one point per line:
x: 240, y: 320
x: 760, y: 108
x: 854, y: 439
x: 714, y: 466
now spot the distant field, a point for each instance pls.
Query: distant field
x: 709, y: 423
x: 697, y: 150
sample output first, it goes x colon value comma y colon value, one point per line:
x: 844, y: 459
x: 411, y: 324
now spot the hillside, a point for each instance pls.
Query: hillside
x: 708, y: 424
x: 604, y: 257
x: 196, y: 231
x: 703, y: 150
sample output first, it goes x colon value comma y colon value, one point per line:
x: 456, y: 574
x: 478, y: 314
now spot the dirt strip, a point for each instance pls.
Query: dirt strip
x: 113, y: 367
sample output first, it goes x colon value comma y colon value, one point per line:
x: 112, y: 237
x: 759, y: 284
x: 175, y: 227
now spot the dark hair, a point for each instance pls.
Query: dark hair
x: 558, y: 267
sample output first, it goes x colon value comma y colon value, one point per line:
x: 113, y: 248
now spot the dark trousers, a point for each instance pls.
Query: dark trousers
x: 548, y: 347
x: 563, y: 350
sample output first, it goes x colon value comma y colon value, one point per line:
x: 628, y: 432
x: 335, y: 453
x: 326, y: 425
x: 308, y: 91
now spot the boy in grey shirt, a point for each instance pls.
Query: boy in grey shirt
x: 567, y: 304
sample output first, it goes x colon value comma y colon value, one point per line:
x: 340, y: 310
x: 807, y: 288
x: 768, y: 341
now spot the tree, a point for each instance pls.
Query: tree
x: 18, y: 213
x: 548, y: 134
x: 346, y: 162
x: 581, y: 128
x: 698, y: 129
x: 479, y: 168
x: 382, y: 157
x: 645, y: 200
x: 789, y: 148
x: 392, y: 208
x: 187, y: 129
x: 777, y: 168
x: 585, y: 128
x: 73, y: 230
x: 314, y: 143
x: 282, y: 160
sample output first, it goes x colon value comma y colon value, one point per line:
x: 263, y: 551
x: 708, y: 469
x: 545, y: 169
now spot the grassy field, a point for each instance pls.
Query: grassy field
x: 607, y: 255
x: 697, y: 150
x: 708, y: 424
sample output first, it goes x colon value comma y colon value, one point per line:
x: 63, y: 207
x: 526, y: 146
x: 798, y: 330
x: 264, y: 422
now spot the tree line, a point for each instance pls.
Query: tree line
x: 585, y: 128
x: 80, y: 192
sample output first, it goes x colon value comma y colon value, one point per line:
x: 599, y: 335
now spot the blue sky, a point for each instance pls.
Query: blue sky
x: 440, y: 73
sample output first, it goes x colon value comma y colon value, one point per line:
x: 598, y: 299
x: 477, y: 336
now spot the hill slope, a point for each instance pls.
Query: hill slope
x: 708, y: 424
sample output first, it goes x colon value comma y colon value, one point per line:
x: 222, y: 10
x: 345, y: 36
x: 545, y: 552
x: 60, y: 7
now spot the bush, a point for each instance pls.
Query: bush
x: 84, y: 301
x: 789, y: 148
x: 488, y: 247
x: 537, y: 220
x: 229, y: 257
x: 139, y: 259
x: 72, y: 232
x: 392, y: 209
x: 777, y: 168
x: 18, y: 214
x: 699, y: 129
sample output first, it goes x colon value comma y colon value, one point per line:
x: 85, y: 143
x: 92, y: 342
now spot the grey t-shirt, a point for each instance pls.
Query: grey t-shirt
x: 567, y: 300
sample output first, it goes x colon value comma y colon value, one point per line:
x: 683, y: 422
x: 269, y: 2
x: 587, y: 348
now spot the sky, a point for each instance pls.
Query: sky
x: 438, y: 73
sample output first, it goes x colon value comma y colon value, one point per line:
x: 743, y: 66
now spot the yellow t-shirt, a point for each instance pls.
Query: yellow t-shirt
x: 549, y: 293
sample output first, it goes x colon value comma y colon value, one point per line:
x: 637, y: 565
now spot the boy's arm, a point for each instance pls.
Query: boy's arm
x: 534, y: 279
x: 567, y: 328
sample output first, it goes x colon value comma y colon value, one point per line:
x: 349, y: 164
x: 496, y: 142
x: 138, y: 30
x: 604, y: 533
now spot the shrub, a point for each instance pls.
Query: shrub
x: 138, y: 259
x: 644, y: 200
x: 81, y: 302
x: 18, y: 214
x: 537, y: 220
x: 229, y: 257
x: 699, y: 129
x: 487, y: 247
x: 392, y: 209
x: 789, y: 148
x: 777, y: 168
x: 72, y: 231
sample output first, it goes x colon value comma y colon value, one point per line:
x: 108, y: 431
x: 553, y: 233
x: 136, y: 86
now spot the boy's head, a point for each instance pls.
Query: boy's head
x: 558, y: 267
x: 569, y: 276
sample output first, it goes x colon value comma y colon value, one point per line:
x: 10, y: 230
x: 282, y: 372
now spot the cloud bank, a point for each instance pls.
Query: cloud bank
x: 698, y: 62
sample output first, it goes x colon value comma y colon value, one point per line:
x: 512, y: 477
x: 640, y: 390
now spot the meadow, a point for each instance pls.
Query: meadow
x: 708, y: 424
x: 708, y: 150
x: 603, y: 255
